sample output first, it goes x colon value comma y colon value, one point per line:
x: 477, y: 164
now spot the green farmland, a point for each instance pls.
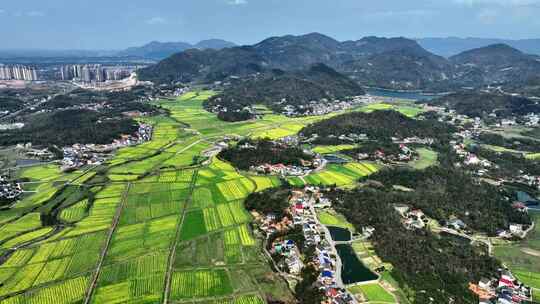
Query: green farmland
x: 154, y: 224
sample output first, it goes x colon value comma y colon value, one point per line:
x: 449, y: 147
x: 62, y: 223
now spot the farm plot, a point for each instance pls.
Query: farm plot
x: 43, y: 193
x: 233, y: 247
x: 26, y: 223
x: 144, y: 207
x: 211, y: 219
x: 26, y: 237
x: 137, y: 239
x: 136, y: 280
x: 200, y: 284
x: 99, y: 218
x: 236, y: 189
x: 225, y: 215
x: 193, y: 225
x: 49, y: 262
x: 239, y: 212
x: 76, y: 212
x: 332, y: 149
x: 206, y: 251
x: 373, y: 293
x: 332, y: 218
x: 202, y: 197
x: 142, y: 166
x: 41, y: 173
x: 329, y: 177
x: 265, y: 182
x: 66, y: 292
x: 295, y: 181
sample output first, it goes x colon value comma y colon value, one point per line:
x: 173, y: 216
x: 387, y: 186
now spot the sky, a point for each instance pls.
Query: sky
x: 117, y: 24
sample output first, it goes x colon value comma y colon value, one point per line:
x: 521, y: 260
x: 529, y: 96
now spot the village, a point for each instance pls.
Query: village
x: 79, y: 155
x: 9, y: 190
x: 302, y: 215
x: 502, y: 288
x: 324, y: 106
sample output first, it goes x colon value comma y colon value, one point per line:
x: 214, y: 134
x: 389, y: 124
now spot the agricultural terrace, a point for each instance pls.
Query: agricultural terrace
x: 158, y: 222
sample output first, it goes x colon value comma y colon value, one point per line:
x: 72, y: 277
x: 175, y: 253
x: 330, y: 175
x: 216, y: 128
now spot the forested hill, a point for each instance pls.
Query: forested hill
x: 361, y: 58
x: 204, y: 65
x: 498, y: 63
x: 278, y: 88
x: 393, y: 63
x: 79, y: 117
x: 382, y: 125
x: 479, y: 104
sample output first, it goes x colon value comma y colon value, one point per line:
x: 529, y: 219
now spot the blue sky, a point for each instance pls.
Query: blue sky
x: 116, y: 24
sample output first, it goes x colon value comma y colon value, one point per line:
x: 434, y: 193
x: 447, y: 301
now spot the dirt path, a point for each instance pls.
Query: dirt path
x: 172, y: 254
x: 530, y: 251
x: 116, y: 219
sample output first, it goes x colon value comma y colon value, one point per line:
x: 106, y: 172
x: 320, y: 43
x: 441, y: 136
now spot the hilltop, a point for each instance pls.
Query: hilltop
x: 279, y: 89
x: 392, y: 63
x: 480, y: 104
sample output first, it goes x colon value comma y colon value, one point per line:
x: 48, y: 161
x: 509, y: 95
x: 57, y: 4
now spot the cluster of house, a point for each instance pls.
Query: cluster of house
x: 283, y: 170
x: 414, y: 140
x: 471, y: 159
x: 514, y: 230
x: 405, y: 155
x: 325, y: 258
x: 502, y: 289
x: 530, y: 180
x: 325, y: 106
x: 42, y: 154
x: 9, y: 190
x: 532, y: 120
x: 79, y: 155
x: 411, y: 218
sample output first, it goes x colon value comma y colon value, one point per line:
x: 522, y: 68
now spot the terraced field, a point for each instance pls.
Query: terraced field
x: 157, y: 223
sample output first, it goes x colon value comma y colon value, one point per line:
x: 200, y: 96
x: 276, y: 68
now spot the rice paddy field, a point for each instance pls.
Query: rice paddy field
x: 153, y: 225
x: 341, y: 175
x: 157, y: 223
x: 406, y: 108
x: 374, y: 293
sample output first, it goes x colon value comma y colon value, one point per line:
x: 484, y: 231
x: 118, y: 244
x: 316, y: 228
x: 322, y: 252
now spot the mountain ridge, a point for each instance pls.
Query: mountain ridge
x: 391, y: 63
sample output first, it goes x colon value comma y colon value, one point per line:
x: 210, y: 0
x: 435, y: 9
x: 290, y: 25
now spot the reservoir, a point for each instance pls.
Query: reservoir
x: 339, y: 234
x: 352, y: 270
x: 401, y: 94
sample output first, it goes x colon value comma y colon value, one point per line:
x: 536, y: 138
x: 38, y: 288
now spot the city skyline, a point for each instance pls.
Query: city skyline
x: 113, y: 25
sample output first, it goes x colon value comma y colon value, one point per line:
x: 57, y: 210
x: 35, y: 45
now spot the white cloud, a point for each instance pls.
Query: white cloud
x: 156, y: 20
x: 237, y: 2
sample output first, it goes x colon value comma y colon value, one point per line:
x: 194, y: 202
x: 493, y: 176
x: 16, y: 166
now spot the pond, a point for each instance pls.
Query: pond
x: 527, y: 199
x: 352, y: 270
x: 401, y: 94
x: 339, y: 234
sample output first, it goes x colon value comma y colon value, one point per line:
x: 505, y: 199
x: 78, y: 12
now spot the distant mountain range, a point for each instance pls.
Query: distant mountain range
x: 154, y: 50
x: 160, y: 50
x: 452, y: 45
x: 392, y: 63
